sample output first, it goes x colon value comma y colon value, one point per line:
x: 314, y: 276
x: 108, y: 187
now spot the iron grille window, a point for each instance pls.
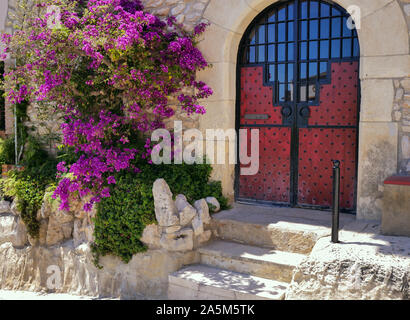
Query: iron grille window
x: 295, y: 42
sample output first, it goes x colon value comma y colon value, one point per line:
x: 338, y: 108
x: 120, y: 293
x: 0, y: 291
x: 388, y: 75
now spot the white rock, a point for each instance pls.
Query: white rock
x: 20, y: 234
x: 13, y: 207
x: 204, y: 237
x: 197, y: 226
x: 214, y: 202
x: 4, y: 206
x: 203, y: 210
x: 183, y: 240
x: 151, y: 236
x: 186, y: 211
x: 12, y: 229
x: 165, y: 210
x: 180, y: 202
x: 172, y: 229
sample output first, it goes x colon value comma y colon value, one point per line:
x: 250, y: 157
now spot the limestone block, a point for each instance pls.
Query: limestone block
x: 54, y: 232
x: 14, y: 208
x: 186, y: 211
x: 239, y: 17
x: 213, y: 202
x: 203, y: 211
x: 218, y: 44
x: 78, y: 232
x: 180, y: 202
x: 377, y: 100
x: 151, y: 236
x: 204, y: 237
x: 385, y: 67
x: 4, y: 207
x: 20, y: 234
x: 387, y: 38
x: 179, y: 241
x: 172, y: 229
x: 366, y: 266
x: 396, y: 210
x: 197, y: 226
x: 221, y: 78
x: 12, y: 229
x: 219, y: 115
x: 165, y: 209
x: 42, y: 232
x: 378, y: 160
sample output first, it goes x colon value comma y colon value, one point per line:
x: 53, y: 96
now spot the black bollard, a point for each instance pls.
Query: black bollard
x: 336, y: 199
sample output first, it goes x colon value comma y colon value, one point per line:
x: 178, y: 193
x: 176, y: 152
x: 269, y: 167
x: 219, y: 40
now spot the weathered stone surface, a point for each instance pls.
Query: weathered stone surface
x: 165, y: 209
x: 203, y: 210
x: 204, y: 237
x: 54, y: 233
x: 186, y: 211
x: 180, y: 202
x: 7, y: 225
x: 20, y: 234
x: 151, y: 236
x: 172, y: 229
x: 378, y: 160
x: 365, y: 266
x: 197, y: 226
x: 396, y: 210
x: 179, y: 241
x: 13, y: 207
x: 214, y: 203
x: 4, y: 207
x: 145, y: 276
x: 12, y: 229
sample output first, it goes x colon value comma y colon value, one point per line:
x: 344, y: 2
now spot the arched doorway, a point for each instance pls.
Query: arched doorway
x: 298, y: 83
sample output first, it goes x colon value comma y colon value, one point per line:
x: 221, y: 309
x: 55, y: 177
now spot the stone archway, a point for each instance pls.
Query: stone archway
x: 384, y: 58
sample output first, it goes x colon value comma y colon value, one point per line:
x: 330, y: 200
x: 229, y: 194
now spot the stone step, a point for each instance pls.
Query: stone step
x: 200, y: 282
x: 283, y: 229
x: 256, y: 261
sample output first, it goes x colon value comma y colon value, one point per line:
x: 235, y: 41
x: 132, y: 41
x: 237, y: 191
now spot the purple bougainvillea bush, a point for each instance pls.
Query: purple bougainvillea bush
x: 111, y: 68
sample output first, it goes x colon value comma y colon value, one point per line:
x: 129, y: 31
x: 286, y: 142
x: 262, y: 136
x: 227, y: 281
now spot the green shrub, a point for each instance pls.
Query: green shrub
x: 29, y: 192
x: 121, y: 218
x: 7, y: 151
x: 29, y: 185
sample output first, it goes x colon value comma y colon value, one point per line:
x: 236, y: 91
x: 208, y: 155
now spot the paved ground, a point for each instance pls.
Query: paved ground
x: 26, y: 295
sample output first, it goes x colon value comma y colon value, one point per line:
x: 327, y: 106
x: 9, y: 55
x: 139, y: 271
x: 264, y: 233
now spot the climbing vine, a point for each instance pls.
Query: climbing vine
x: 110, y: 68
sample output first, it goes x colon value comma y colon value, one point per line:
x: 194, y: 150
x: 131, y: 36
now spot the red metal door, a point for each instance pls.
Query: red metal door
x: 298, y: 84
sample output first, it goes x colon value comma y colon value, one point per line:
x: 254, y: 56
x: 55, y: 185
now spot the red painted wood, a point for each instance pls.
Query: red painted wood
x: 317, y: 147
x: 338, y: 100
x: 272, y: 182
x: 257, y: 98
x: 398, y: 180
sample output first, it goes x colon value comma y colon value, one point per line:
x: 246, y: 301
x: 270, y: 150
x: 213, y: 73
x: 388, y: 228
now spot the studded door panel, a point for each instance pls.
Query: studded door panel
x: 272, y: 182
x: 317, y: 147
x: 257, y: 99
x: 339, y: 99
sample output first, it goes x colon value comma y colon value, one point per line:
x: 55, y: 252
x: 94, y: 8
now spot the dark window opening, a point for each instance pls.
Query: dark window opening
x: 295, y: 42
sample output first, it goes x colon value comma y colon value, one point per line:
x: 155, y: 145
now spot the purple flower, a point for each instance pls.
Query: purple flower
x: 61, y: 167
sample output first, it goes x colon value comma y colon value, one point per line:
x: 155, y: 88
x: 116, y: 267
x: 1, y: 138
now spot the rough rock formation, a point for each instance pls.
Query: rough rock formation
x: 64, y: 245
x: 364, y: 266
x: 70, y: 269
x: 180, y: 225
x: 12, y: 228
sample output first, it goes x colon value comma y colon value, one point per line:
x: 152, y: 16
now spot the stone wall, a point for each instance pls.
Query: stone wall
x: 363, y: 266
x: 64, y: 246
x: 402, y: 108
